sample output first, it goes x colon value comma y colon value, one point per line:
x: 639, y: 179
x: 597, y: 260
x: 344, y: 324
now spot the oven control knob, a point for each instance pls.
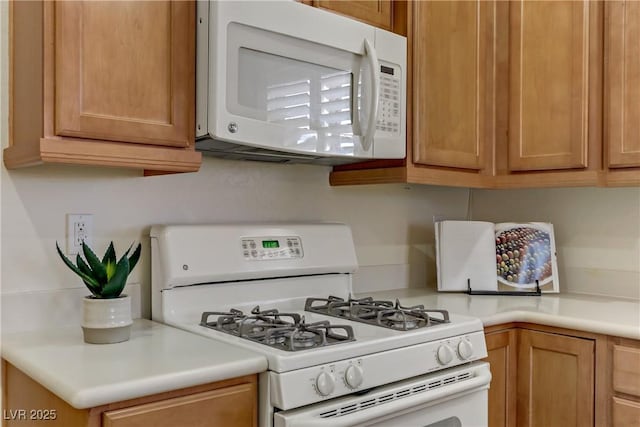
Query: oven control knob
x: 465, y: 349
x: 353, y: 376
x: 445, y: 354
x: 325, y: 383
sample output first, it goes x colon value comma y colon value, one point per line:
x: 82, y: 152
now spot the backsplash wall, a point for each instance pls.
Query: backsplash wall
x: 392, y: 225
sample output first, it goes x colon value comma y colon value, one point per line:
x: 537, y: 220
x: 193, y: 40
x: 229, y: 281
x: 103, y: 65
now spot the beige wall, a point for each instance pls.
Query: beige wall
x: 597, y: 232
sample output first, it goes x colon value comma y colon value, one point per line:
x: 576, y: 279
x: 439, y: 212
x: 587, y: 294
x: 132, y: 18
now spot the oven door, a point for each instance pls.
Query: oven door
x: 453, y: 398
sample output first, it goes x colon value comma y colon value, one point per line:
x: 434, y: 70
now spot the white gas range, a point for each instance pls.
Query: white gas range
x: 284, y: 290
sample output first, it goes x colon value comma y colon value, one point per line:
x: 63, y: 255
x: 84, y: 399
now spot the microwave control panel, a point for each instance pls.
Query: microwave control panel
x: 389, y: 102
x: 271, y: 248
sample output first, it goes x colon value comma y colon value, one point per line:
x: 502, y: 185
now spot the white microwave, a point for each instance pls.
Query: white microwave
x: 285, y: 82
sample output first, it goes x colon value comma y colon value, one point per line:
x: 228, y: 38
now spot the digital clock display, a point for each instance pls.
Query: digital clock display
x: 270, y: 244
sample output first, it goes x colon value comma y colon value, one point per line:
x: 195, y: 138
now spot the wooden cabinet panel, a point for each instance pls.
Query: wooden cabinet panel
x: 502, y: 356
x: 623, y: 369
x: 232, y: 406
x: 626, y: 370
x: 102, y: 83
x: 453, y: 82
x: 625, y: 413
x: 549, y: 82
x: 556, y: 380
x: 622, y: 83
x: 374, y: 12
x: 232, y: 403
x: 124, y: 71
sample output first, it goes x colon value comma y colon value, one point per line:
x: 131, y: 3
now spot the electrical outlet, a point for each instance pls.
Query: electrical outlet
x: 79, y: 229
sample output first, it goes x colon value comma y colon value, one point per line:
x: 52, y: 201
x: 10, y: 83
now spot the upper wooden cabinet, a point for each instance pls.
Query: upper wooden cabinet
x: 374, y: 12
x: 550, y: 114
x: 452, y: 83
x: 549, y: 93
x: 119, y: 72
x: 622, y: 84
x: 451, y: 97
x: 510, y: 95
x: 103, y: 83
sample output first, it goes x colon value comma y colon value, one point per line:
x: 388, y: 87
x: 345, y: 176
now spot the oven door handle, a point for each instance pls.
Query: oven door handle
x: 310, y: 417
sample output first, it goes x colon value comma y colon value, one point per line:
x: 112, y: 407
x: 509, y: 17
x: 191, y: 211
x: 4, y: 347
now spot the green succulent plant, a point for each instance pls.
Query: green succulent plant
x: 106, y: 278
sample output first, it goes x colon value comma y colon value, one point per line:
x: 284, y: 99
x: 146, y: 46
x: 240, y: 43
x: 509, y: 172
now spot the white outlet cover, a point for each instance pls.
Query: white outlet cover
x: 74, y: 247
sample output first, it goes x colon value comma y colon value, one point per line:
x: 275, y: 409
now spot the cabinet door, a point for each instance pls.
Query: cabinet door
x: 622, y: 83
x: 374, y: 12
x: 549, y: 84
x: 452, y: 82
x: 233, y: 406
x: 555, y: 380
x: 122, y: 72
x: 501, y: 347
x: 625, y: 413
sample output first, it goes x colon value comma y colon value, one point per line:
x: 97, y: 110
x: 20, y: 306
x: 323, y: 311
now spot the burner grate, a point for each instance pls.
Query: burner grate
x: 285, y: 331
x: 381, y: 313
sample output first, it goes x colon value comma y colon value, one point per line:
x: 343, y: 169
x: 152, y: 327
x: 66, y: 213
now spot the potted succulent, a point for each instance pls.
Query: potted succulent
x: 106, y: 313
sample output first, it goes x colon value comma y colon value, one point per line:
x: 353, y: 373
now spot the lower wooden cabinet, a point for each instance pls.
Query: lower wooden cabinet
x: 230, y: 403
x: 555, y: 380
x: 546, y: 376
x: 223, y: 407
x: 501, y: 347
x: 625, y: 380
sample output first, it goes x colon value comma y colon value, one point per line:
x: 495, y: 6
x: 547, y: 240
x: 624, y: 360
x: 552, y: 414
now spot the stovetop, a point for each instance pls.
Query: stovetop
x: 289, y: 331
x: 187, y: 307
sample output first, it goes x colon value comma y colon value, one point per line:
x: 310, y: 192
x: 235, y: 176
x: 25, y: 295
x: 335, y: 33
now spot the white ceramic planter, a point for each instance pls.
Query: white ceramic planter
x: 106, y: 321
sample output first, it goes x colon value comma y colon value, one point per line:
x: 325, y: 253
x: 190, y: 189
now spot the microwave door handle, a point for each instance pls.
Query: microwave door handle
x: 370, y: 52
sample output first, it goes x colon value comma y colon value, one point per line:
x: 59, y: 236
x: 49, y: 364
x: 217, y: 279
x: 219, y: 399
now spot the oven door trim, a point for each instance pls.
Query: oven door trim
x: 309, y: 416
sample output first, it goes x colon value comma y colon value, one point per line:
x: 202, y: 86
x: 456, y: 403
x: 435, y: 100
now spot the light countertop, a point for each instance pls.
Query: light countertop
x: 160, y: 358
x: 598, y: 314
x: 156, y: 359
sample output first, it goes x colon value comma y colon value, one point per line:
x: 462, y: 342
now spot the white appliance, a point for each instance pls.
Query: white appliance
x: 285, y: 82
x: 332, y: 360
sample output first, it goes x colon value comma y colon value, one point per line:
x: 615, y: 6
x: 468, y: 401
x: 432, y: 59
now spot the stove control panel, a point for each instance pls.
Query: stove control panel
x: 346, y: 376
x: 271, y: 248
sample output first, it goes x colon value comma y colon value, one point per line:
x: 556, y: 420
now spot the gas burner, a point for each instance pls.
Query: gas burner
x: 374, y: 312
x: 399, y: 320
x: 286, y: 331
x: 303, y: 339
